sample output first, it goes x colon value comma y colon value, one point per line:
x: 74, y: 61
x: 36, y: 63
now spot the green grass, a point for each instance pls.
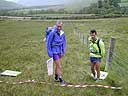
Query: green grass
x: 22, y: 49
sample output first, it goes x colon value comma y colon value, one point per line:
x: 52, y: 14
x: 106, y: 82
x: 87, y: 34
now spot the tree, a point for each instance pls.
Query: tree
x: 100, y: 4
x: 114, y: 3
x: 106, y: 4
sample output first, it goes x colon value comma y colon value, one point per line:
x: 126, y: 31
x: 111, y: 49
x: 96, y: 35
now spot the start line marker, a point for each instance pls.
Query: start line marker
x: 10, y: 73
x: 49, y: 63
x: 103, y: 75
x: 68, y: 85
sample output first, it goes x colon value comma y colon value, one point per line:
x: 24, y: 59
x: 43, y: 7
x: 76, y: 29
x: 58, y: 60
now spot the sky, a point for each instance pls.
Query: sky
x: 11, y: 0
x: 39, y: 2
x: 53, y: 2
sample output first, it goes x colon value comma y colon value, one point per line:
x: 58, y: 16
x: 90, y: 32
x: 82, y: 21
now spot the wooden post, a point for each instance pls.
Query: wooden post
x: 75, y: 30
x: 87, y: 42
x: 83, y: 38
x: 110, y: 53
x: 79, y: 34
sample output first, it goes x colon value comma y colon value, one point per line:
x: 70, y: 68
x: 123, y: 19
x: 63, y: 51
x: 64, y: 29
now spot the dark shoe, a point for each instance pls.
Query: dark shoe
x: 57, y: 80
x: 94, y: 78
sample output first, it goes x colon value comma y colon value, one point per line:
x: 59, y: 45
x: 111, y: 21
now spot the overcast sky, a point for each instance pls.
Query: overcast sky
x: 9, y: 0
x: 52, y: 2
x: 39, y: 2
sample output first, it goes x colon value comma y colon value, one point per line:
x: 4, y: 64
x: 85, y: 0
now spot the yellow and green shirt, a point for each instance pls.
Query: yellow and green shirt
x: 94, y: 50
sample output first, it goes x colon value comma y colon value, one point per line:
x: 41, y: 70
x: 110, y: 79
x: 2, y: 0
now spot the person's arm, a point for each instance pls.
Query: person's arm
x: 49, y: 44
x: 102, y: 47
x: 64, y: 45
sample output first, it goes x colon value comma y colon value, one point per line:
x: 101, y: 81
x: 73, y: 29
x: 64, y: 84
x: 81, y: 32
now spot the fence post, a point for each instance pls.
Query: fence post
x: 87, y: 42
x: 83, y: 39
x: 110, y: 53
x: 75, y: 30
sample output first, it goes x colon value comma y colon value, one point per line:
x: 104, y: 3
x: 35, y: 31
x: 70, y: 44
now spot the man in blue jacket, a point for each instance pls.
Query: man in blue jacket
x: 56, y: 48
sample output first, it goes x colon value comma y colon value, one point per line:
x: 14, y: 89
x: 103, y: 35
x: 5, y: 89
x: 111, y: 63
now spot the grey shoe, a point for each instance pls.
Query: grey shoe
x: 63, y: 83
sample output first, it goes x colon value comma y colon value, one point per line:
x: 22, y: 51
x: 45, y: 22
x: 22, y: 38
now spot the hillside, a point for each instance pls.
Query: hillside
x: 74, y: 5
x: 9, y: 5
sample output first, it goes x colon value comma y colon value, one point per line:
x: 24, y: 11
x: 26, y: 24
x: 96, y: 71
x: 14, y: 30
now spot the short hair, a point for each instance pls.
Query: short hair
x: 93, y: 31
x: 59, y: 23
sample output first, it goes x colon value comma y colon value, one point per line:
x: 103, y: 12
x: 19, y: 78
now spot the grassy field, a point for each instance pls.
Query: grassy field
x: 22, y: 49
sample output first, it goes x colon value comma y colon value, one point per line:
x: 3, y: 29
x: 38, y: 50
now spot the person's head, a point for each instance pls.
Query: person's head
x: 59, y: 25
x: 93, y: 34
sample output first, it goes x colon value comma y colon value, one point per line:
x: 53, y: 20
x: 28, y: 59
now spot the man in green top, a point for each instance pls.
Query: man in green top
x: 97, y: 51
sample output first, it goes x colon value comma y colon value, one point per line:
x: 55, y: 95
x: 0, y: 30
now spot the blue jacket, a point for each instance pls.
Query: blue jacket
x: 56, y: 42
